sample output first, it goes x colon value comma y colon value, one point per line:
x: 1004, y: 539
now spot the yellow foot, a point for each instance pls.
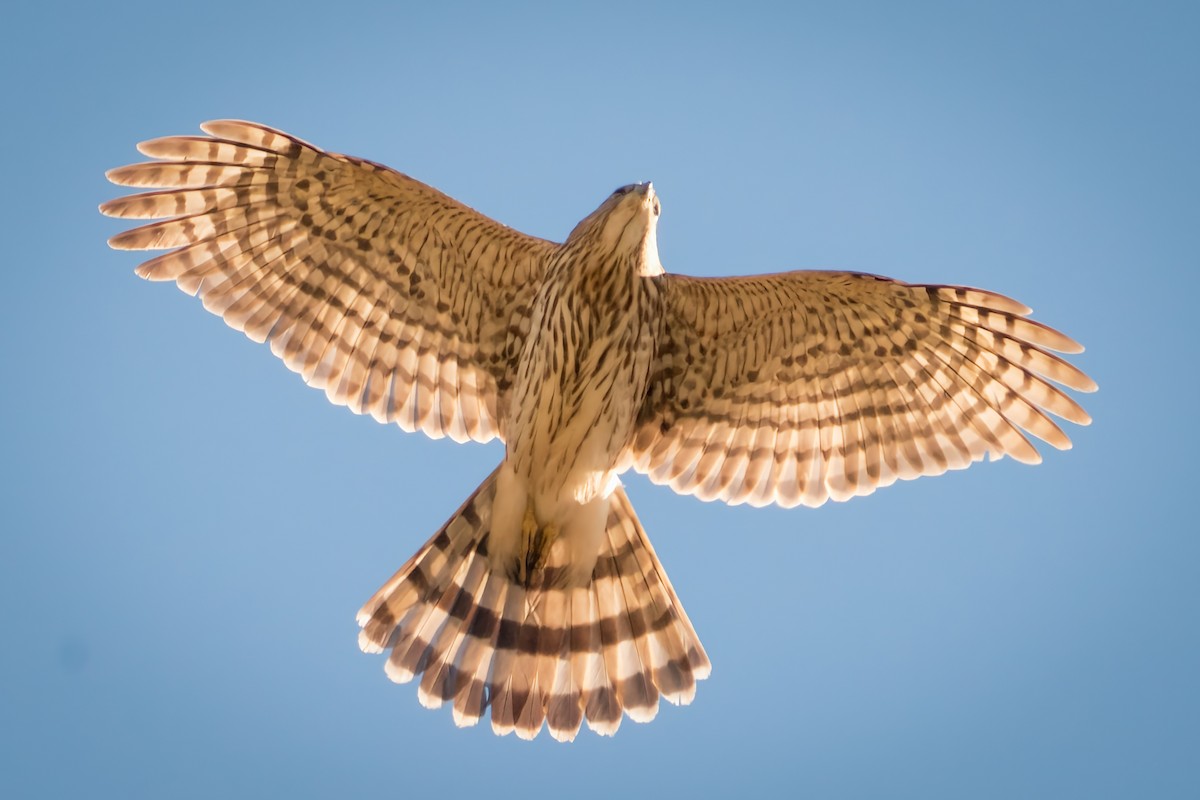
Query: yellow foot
x: 542, y: 545
x: 529, y: 532
x: 535, y: 545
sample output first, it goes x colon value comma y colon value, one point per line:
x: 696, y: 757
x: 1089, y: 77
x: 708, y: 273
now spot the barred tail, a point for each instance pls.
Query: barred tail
x: 536, y: 653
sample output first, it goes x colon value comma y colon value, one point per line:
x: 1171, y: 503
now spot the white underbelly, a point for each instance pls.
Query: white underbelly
x: 577, y: 442
x: 564, y: 451
x: 583, y: 373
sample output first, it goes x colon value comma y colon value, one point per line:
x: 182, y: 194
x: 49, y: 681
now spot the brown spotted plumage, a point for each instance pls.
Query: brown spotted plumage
x: 806, y: 386
x: 541, y: 599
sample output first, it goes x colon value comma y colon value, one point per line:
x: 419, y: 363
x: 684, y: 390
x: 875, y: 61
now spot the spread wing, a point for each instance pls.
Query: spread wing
x: 395, y: 299
x: 804, y: 386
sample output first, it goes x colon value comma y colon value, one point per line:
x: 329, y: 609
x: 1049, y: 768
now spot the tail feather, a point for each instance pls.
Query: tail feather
x: 437, y: 683
x: 503, y: 694
x: 564, y: 711
x: 678, y: 659
x: 621, y: 637
x: 469, y: 696
x: 537, y: 655
x: 667, y: 655
x: 552, y: 643
x: 411, y: 655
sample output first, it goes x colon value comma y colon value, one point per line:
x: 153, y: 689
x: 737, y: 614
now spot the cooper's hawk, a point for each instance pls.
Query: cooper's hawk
x: 541, y: 598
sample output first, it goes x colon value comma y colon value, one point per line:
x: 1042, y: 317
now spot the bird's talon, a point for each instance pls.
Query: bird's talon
x: 545, y: 540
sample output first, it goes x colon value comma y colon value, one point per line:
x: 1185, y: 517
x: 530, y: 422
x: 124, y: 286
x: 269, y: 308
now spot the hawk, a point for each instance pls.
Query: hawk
x: 541, y: 597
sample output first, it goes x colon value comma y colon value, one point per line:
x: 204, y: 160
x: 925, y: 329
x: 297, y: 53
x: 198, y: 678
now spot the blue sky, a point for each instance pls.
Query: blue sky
x: 188, y: 530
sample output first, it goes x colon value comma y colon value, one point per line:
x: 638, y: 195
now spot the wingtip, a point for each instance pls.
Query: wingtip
x: 1027, y: 455
x: 128, y: 240
x: 216, y: 123
x: 113, y: 208
x: 222, y: 128
x: 146, y: 147
x: 1068, y: 345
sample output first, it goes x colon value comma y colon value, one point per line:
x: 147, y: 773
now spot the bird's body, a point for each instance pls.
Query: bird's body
x: 582, y: 376
x: 541, y: 598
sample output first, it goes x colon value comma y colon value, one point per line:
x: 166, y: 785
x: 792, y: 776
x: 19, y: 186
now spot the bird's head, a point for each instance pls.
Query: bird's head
x: 626, y: 223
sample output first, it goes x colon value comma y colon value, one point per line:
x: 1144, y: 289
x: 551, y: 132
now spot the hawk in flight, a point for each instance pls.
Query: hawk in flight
x: 541, y: 598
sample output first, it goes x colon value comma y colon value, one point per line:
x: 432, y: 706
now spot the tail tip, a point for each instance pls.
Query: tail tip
x: 367, y: 644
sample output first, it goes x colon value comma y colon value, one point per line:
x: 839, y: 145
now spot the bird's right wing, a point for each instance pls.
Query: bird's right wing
x: 395, y: 299
x: 805, y: 386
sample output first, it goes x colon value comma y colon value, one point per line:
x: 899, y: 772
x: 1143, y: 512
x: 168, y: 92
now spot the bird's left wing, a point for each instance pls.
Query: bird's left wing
x: 804, y: 386
x: 395, y: 299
